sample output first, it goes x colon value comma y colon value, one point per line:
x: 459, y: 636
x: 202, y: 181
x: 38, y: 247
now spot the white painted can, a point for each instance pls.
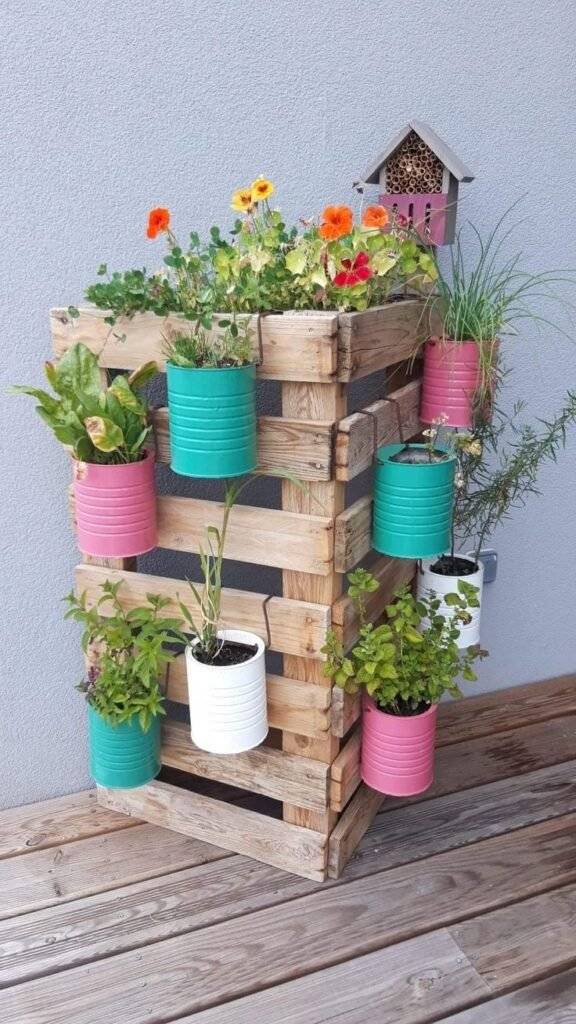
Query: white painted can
x: 228, y: 712
x: 433, y: 583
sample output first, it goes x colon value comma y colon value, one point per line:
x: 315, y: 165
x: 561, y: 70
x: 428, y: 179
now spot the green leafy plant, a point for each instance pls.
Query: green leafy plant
x: 101, y: 425
x: 498, y: 468
x: 488, y: 297
x: 409, y: 661
x: 205, y: 624
x: 231, y: 346
x: 128, y: 651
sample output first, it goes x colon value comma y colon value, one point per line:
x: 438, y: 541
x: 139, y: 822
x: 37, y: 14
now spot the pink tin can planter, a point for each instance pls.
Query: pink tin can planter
x: 397, y: 751
x: 450, y: 380
x: 115, y: 508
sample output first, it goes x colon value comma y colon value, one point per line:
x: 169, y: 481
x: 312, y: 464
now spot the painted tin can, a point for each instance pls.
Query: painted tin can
x: 434, y: 584
x: 397, y: 751
x: 212, y: 414
x: 413, y: 505
x: 123, y: 756
x: 115, y: 508
x: 450, y: 379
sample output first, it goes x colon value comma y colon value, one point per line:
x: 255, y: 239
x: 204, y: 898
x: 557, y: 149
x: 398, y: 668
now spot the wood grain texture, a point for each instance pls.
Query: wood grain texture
x: 265, y: 536
x: 296, y: 627
x: 304, y: 402
x: 379, y: 337
x: 56, y: 822
x: 295, y: 346
x: 352, y: 825
x: 345, y: 772
x: 293, y: 705
x: 379, y: 421
x: 192, y: 972
x: 289, y: 847
x: 550, y: 1001
x: 304, y: 447
x: 52, y: 876
x: 148, y: 911
x: 353, y: 534
x: 273, y: 773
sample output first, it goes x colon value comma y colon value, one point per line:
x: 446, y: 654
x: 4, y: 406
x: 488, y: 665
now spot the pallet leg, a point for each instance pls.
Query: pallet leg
x: 322, y: 402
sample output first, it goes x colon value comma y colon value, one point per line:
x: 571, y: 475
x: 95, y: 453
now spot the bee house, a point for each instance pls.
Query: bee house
x: 419, y: 176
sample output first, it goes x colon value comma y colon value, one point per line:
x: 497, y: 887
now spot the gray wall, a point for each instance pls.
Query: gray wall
x: 112, y: 107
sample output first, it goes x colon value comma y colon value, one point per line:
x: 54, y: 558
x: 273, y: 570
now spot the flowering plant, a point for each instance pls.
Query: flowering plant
x: 333, y: 263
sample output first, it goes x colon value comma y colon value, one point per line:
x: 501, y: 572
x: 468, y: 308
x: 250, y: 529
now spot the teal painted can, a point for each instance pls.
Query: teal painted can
x: 212, y: 416
x: 413, y: 505
x: 123, y: 756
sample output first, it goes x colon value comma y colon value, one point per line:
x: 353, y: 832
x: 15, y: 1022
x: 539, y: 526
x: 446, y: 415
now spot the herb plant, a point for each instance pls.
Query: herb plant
x: 409, y: 661
x: 101, y: 425
x: 232, y: 346
x: 128, y: 651
x: 498, y: 468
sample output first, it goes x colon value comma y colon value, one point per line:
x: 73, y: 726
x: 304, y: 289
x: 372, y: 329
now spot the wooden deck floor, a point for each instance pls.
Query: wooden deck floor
x: 459, y: 907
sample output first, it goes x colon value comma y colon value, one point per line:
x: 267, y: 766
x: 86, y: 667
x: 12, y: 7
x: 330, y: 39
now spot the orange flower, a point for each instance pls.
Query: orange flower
x: 158, y: 220
x: 336, y: 221
x: 375, y: 217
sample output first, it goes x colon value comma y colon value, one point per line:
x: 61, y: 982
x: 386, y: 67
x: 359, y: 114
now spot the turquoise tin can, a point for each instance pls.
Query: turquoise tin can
x: 413, y: 505
x: 212, y: 413
x: 123, y: 756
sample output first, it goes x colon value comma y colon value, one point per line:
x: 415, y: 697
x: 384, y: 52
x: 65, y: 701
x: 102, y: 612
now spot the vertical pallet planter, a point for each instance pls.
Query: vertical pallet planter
x: 308, y: 771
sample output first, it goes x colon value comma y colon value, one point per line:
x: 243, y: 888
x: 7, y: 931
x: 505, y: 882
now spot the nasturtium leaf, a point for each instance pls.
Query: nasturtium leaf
x: 296, y: 261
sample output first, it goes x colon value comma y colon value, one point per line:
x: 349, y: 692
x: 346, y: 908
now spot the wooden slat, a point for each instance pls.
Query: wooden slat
x: 345, y: 772
x: 379, y: 337
x: 132, y: 916
x: 304, y: 447
x: 296, y: 627
x: 265, y: 536
x: 357, y: 818
x: 293, y: 705
x: 48, y: 877
x: 381, y: 421
x: 56, y: 822
x: 550, y: 1001
x: 476, y: 761
x: 289, y: 847
x: 502, y: 710
x: 295, y: 346
x: 191, y: 972
x: 325, y: 402
x: 353, y: 534
x: 264, y: 770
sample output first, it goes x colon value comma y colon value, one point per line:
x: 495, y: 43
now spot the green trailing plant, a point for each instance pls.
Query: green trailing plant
x: 497, y: 468
x: 128, y: 651
x: 197, y: 348
x: 100, y: 425
x: 489, y: 295
x: 409, y: 661
x: 205, y: 623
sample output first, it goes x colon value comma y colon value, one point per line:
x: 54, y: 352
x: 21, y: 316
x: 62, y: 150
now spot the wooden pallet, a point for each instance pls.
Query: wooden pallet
x: 309, y: 766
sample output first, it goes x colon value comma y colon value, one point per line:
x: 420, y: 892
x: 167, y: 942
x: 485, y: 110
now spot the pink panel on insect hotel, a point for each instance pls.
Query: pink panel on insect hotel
x: 425, y: 211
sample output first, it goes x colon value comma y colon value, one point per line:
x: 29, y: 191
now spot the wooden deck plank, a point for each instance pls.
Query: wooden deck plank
x: 49, y: 877
x: 55, y: 822
x: 155, y: 909
x: 297, y: 627
x: 302, y: 446
x: 264, y: 770
x: 550, y: 1001
x: 194, y: 971
x: 472, y: 763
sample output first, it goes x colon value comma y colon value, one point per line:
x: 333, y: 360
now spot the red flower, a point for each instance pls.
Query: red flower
x: 158, y: 220
x: 401, y: 220
x: 354, y: 272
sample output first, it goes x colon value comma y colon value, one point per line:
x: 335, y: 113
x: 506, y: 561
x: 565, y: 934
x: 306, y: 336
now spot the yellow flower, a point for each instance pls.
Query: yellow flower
x: 261, y: 189
x: 242, y: 200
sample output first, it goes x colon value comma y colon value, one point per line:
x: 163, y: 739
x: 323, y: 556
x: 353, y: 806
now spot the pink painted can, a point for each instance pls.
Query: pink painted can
x: 449, y: 382
x: 115, y: 508
x: 397, y: 752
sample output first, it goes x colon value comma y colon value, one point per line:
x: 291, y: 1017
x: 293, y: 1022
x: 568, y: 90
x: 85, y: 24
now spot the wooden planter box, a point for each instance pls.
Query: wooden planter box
x: 309, y: 766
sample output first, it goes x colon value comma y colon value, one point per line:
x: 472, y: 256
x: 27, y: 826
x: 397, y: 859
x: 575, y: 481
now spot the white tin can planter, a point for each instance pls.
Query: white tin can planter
x: 434, y: 583
x: 228, y: 711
